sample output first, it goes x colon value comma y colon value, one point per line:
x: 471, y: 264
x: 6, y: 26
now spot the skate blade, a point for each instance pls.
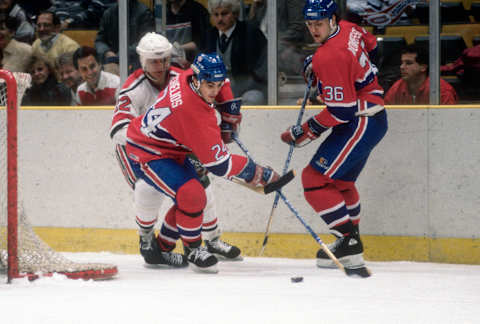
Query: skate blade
x: 224, y: 258
x: 211, y: 269
x: 164, y: 266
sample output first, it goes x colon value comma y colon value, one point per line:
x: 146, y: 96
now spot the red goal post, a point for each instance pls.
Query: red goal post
x: 22, y: 252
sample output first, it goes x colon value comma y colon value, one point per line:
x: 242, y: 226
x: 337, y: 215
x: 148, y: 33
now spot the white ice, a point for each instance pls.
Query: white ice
x: 256, y: 290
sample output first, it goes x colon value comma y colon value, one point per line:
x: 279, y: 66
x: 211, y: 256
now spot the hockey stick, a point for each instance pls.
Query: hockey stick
x: 285, y: 167
x: 269, y: 188
x: 362, y: 272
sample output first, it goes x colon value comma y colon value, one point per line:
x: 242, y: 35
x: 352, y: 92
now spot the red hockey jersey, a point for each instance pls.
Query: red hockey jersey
x: 346, y: 77
x: 181, y: 122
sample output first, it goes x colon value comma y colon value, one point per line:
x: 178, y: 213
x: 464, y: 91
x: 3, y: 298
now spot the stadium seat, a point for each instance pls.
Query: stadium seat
x: 450, y: 13
x: 451, y: 46
x: 82, y: 37
x: 475, y: 11
x: 390, y: 48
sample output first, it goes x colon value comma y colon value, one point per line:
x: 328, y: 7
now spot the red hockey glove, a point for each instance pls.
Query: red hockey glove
x: 304, y: 134
x: 231, y: 118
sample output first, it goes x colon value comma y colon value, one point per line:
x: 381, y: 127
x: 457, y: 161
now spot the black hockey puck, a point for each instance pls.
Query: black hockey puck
x: 296, y: 279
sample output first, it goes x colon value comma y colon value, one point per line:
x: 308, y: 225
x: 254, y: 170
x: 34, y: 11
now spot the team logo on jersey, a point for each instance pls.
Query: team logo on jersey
x: 322, y: 162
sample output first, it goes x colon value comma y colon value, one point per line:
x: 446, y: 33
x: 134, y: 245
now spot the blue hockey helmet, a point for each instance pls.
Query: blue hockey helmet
x: 319, y: 9
x: 209, y: 67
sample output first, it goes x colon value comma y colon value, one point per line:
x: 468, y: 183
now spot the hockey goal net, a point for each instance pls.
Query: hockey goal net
x: 22, y: 252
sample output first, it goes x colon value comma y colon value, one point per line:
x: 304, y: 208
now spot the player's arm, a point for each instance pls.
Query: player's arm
x: 123, y: 114
x: 214, y: 154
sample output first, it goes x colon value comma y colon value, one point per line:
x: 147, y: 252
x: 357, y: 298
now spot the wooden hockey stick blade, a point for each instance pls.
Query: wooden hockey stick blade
x: 362, y: 272
x: 280, y: 183
x: 271, y: 187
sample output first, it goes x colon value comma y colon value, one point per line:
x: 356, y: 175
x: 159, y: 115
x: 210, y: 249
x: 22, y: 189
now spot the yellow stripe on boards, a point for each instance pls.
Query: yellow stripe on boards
x: 303, y: 246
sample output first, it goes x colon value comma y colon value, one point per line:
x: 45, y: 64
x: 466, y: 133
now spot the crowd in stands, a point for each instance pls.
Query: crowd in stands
x: 32, y: 40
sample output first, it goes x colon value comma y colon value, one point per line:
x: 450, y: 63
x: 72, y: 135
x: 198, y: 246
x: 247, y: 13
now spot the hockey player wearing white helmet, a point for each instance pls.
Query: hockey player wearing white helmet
x: 139, y: 92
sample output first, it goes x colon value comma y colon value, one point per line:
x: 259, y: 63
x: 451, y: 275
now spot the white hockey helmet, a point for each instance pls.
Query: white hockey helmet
x: 153, y: 46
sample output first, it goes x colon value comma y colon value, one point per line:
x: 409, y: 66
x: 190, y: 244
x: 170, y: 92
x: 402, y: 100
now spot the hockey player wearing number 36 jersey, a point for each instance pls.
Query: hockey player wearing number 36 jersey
x: 183, y: 121
x: 347, y: 83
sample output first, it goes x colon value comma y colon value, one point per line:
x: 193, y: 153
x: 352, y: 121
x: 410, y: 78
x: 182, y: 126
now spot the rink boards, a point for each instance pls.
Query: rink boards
x: 419, y: 191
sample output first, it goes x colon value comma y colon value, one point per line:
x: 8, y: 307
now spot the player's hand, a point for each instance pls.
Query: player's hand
x: 226, y: 131
x: 263, y: 176
x: 308, y: 68
x: 304, y: 134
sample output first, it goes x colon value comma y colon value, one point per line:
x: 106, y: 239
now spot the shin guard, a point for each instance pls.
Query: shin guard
x: 327, y: 201
x: 191, y: 200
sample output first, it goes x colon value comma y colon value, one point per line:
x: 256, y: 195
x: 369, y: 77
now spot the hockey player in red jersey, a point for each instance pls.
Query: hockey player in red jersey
x: 347, y: 83
x: 183, y: 121
x: 137, y: 94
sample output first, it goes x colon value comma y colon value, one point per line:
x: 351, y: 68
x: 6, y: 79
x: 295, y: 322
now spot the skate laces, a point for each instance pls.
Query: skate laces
x: 200, y: 253
x: 220, y: 245
x: 146, y: 242
x: 173, y: 258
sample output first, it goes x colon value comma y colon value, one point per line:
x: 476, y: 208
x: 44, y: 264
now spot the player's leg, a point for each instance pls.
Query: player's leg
x: 125, y: 165
x: 211, y: 232
x: 327, y: 201
x: 147, y: 201
x: 340, y: 159
x: 180, y: 182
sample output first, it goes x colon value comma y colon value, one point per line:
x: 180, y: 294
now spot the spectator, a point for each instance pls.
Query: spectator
x: 69, y: 75
x: 34, y: 8
x: 243, y: 48
x: 50, y: 42
x: 140, y: 22
x: 187, y: 21
x: 15, y: 56
x: 80, y: 13
x: 24, y: 31
x: 45, y: 90
x: 292, y: 32
x: 414, y: 85
x: 99, y: 87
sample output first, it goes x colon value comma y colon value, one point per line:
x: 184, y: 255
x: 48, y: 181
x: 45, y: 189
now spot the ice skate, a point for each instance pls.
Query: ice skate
x: 222, y: 250
x: 153, y: 255
x: 201, y: 260
x: 347, y: 249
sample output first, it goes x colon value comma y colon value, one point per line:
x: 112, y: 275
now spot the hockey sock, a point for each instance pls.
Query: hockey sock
x: 210, y: 228
x: 169, y: 232
x: 191, y: 200
x: 327, y: 201
x: 351, y: 197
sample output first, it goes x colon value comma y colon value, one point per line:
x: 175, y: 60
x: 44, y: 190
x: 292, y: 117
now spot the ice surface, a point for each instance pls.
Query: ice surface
x: 256, y: 290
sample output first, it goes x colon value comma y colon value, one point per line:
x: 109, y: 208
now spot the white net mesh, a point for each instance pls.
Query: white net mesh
x: 34, y: 256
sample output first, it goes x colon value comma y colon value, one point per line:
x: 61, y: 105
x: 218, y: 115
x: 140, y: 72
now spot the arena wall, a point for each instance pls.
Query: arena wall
x: 420, y: 192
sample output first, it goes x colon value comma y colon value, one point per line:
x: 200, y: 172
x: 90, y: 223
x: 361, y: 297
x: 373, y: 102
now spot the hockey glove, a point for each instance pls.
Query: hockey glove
x: 304, y: 134
x: 200, y: 169
x: 231, y: 118
x: 226, y: 130
x: 256, y: 175
x: 308, y: 69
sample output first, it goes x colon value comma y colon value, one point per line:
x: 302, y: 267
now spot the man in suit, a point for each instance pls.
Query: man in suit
x: 243, y: 48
